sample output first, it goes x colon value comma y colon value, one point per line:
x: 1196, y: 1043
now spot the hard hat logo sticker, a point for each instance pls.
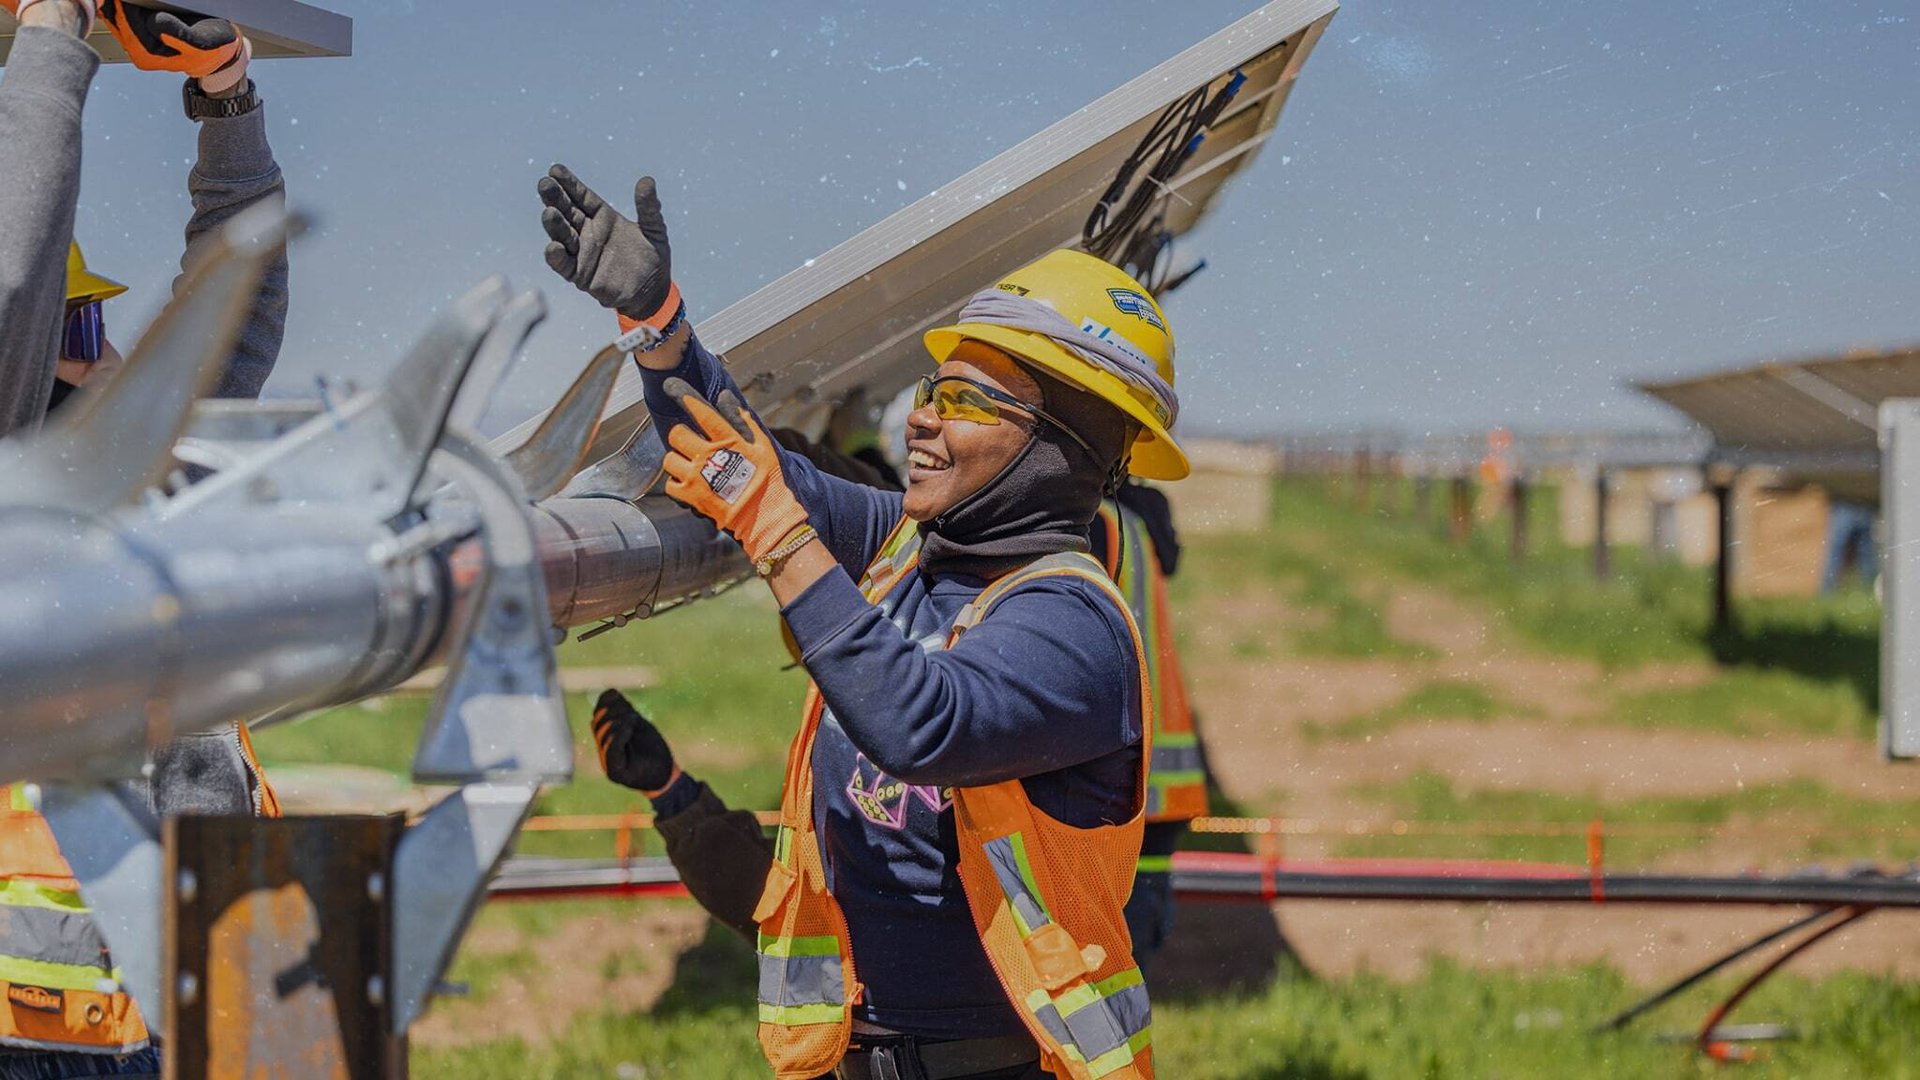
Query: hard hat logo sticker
x: 1106, y: 334
x: 727, y: 473
x: 1136, y: 305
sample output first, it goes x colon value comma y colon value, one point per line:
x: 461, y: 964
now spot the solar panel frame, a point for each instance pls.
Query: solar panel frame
x: 279, y: 29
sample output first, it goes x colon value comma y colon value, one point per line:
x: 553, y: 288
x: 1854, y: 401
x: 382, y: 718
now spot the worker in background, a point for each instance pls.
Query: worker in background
x: 964, y: 802
x: 42, y: 92
x: 1135, y: 539
x: 59, y: 1016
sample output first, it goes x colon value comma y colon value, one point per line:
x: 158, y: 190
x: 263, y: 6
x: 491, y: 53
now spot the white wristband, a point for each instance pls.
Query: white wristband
x: 232, y: 74
x: 85, y: 6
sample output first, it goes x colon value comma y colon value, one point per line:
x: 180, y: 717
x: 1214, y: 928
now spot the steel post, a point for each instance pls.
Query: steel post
x: 1900, y: 578
x: 1460, y: 510
x: 1517, y: 506
x: 1723, y: 491
x: 1602, y: 552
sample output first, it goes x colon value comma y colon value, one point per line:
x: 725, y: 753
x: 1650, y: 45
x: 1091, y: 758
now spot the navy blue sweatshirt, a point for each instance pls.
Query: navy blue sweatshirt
x: 1044, y: 691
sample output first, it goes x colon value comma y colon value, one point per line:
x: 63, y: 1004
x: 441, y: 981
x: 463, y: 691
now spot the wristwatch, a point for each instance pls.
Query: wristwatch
x: 200, y: 106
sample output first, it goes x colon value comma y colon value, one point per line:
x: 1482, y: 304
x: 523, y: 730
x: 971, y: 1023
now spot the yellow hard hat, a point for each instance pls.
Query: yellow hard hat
x: 1103, y: 301
x: 83, y: 285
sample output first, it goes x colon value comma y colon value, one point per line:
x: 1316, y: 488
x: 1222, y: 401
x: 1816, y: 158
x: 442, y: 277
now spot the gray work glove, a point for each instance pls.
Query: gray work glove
x: 623, y: 264
x: 632, y: 750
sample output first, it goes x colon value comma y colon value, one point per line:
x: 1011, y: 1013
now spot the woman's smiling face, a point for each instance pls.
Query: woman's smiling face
x: 949, y: 460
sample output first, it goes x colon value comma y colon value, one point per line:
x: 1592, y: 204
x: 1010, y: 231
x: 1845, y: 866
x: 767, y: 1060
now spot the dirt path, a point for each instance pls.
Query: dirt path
x: 1550, y: 736
x: 620, y: 959
x: 1648, y: 944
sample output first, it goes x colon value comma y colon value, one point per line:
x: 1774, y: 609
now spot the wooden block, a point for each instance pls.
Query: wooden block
x: 278, y: 947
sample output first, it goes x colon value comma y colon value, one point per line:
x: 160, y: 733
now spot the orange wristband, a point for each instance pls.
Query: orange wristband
x: 659, y: 319
x: 672, y: 778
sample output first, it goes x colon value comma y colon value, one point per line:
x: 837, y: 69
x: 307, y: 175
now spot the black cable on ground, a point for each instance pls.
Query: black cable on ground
x: 1653, y: 1001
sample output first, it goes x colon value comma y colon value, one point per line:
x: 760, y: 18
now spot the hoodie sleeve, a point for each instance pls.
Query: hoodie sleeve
x: 236, y: 170
x: 42, y: 90
x: 853, y: 520
x: 1048, y: 681
x: 721, y: 854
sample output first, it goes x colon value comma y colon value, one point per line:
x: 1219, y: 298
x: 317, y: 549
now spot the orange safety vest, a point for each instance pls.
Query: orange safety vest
x: 1046, y: 898
x: 55, y: 972
x: 1176, y: 777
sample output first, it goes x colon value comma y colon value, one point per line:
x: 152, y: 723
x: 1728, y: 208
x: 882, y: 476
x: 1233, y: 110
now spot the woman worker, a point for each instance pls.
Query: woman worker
x: 963, y: 802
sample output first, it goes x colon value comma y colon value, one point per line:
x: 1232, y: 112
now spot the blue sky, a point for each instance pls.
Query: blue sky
x: 1490, y: 212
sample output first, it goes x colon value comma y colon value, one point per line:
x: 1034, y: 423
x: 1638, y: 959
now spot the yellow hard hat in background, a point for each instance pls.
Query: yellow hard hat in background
x: 83, y: 285
x: 1102, y: 299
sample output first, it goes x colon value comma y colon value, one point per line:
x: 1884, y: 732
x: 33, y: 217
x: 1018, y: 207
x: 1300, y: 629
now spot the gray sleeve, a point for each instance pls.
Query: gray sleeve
x: 202, y: 773
x: 236, y: 170
x: 41, y: 95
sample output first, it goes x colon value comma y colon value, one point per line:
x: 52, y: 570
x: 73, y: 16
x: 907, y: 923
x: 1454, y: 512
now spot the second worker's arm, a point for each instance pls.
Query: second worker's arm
x: 722, y: 855
x: 42, y: 91
x: 236, y: 170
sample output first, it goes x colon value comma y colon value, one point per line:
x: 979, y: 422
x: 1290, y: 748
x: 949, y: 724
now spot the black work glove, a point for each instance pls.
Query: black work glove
x: 632, y: 750
x: 626, y: 265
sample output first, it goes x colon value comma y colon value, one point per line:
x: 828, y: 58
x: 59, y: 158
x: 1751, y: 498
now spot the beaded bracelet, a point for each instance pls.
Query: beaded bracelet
x: 800, y: 537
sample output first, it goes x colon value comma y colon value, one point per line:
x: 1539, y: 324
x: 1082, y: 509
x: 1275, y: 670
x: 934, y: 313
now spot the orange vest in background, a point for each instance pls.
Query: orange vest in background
x: 1046, y: 898
x: 1176, y: 776
x: 55, y: 973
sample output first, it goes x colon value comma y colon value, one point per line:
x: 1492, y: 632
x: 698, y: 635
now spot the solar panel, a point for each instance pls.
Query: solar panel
x: 846, y: 326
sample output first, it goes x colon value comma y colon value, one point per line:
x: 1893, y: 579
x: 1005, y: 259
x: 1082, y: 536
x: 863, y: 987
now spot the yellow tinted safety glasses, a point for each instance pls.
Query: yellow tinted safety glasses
x: 955, y: 397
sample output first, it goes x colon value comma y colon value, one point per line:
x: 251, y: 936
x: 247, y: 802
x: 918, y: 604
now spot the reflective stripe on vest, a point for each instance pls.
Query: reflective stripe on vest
x: 50, y: 940
x: 1092, y: 1023
x: 1103, y: 1024
x: 1176, y: 764
x: 1009, y: 857
x: 801, y: 981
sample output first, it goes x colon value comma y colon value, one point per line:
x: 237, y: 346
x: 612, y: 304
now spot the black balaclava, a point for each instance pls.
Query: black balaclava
x: 1044, y: 499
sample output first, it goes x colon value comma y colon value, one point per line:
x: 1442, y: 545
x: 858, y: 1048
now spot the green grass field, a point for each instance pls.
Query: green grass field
x: 720, y: 692
x: 1449, y: 1023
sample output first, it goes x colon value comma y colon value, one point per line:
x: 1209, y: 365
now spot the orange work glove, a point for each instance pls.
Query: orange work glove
x: 163, y: 41
x: 726, y: 468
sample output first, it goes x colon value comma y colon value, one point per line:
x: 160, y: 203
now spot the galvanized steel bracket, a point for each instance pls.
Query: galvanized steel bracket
x: 367, y: 453
x: 628, y: 474
x: 499, y: 714
x: 440, y: 872
x: 552, y: 454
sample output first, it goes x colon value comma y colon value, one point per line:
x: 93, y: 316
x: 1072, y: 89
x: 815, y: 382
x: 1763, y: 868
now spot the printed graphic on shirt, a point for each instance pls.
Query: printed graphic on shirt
x: 727, y: 473
x: 885, y: 801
